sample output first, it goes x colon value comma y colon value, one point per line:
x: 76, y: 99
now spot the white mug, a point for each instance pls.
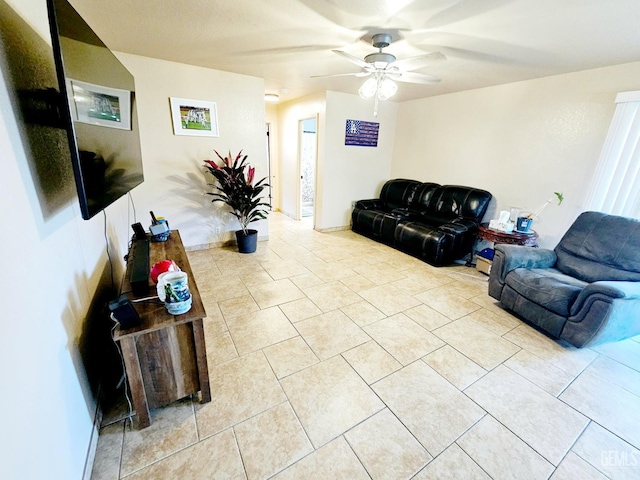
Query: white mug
x: 173, y: 290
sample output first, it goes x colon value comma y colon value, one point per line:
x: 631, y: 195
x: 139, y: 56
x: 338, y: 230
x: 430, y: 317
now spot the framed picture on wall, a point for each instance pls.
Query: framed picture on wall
x: 197, y: 118
x: 98, y: 105
x: 361, y: 134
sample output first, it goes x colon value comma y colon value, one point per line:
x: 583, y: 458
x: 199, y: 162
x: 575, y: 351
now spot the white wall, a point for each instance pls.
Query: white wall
x: 175, y: 180
x: 289, y: 114
x: 521, y: 141
x: 271, y: 117
x: 55, y: 264
x: 353, y: 173
x: 344, y: 173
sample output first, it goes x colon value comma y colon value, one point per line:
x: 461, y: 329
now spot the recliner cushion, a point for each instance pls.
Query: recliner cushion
x: 423, y: 195
x: 547, y: 287
x: 399, y: 193
x: 601, y: 247
x: 458, y: 201
x: 423, y: 241
x: 376, y: 224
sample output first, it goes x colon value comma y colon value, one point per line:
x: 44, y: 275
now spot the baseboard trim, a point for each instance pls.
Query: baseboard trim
x: 225, y: 243
x: 333, y: 229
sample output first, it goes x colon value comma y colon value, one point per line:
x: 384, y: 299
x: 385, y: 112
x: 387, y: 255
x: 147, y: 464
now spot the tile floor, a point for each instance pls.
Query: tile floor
x: 334, y: 357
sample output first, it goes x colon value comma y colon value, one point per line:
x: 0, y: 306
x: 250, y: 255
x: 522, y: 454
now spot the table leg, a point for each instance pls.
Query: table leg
x: 134, y: 376
x: 201, y: 361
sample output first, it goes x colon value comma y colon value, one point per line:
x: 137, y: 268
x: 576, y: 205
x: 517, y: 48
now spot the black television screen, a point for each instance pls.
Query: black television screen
x: 100, y: 111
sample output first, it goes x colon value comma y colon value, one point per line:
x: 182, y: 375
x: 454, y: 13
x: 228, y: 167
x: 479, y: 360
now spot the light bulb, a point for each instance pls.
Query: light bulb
x: 368, y: 88
x: 387, y: 89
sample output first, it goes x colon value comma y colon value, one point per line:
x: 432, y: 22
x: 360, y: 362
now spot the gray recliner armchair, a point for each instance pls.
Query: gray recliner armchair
x: 586, y: 291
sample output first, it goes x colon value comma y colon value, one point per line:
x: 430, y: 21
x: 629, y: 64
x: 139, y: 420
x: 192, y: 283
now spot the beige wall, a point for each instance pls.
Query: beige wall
x: 344, y: 173
x: 289, y: 114
x: 353, y: 173
x: 175, y: 181
x: 271, y: 117
x: 56, y: 264
x: 521, y: 141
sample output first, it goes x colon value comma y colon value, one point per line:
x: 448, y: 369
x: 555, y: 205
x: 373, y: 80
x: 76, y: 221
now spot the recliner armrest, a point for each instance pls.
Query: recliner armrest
x: 610, y: 289
x: 468, y: 224
x: 453, y: 228
x: 371, y: 204
x: 509, y: 257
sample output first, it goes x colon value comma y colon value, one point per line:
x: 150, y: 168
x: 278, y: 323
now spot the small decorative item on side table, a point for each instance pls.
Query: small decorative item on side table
x: 528, y: 239
x: 159, y: 229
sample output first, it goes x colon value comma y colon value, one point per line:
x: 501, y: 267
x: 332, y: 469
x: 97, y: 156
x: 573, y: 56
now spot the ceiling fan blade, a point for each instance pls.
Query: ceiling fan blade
x: 357, y: 74
x: 412, y: 63
x: 287, y: 50
x: 411, y: 77
x: 351, y: 58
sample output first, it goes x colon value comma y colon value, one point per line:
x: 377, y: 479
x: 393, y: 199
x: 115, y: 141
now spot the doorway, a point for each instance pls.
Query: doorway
x: 271, y: 178
x: 307, y: 166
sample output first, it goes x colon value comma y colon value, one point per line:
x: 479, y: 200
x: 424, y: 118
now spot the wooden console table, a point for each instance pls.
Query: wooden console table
x: 529, y: 239
x: 165, y: 357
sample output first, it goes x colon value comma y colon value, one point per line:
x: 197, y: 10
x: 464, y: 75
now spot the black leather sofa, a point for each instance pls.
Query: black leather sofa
x: 436, y: 223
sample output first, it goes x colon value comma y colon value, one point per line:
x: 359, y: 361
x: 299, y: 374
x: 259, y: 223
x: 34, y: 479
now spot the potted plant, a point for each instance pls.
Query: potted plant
x: 239, y: 190
x: 524, y: 222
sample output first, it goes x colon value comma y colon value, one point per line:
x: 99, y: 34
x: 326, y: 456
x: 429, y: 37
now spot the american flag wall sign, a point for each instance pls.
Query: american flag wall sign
x: 361, y: 133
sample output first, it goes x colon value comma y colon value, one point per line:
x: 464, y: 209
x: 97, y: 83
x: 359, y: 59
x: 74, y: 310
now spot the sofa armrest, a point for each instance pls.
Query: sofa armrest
x: 470, y: 225
x: 453, y: 228
x: 371, y: 204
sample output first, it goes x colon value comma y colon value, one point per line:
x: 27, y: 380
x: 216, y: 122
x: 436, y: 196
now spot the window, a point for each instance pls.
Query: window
x: 615, y: 187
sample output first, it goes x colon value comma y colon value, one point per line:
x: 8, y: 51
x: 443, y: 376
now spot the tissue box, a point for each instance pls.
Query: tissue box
x: 483, y: 265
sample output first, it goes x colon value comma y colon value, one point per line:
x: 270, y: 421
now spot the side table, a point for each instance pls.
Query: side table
x: 165, y: 356
x: 528, y: 239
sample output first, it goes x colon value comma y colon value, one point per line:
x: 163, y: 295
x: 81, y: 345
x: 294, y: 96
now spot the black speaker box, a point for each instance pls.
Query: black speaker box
x: 124, y: 312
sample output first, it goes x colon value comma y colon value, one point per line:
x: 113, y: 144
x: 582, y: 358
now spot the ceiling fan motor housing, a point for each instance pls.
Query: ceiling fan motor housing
x: 381, y: 40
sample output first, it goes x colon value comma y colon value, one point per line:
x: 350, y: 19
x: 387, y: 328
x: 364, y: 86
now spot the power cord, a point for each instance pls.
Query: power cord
x: 106, y: 242
x: 133, y: 205
x: 124, y: 371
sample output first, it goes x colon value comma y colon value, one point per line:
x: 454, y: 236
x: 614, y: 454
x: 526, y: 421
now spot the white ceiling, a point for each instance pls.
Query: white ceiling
x: 486, y: 42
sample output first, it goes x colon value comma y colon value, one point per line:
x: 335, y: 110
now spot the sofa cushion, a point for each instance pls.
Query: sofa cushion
x: 601, y: 247
x: 424, y: 241
x: 547, y: 287
x: 399, y: 193
x: 375, y: 224
x: 423, y: 195
x: 457, y: 201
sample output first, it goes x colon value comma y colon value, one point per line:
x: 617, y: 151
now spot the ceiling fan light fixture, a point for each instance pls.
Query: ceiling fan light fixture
x: 387, y: 89
x: 368, y: 88
x: 271, y: 97
x: 380, y: 60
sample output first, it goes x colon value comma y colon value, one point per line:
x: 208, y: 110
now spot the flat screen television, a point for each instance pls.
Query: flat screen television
x: 98, y: 110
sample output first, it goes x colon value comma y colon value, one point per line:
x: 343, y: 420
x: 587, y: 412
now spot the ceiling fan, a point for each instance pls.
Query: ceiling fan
x: 383, y: 69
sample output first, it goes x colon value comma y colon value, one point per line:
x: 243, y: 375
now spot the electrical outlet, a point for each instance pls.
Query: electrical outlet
x: 218, y: 230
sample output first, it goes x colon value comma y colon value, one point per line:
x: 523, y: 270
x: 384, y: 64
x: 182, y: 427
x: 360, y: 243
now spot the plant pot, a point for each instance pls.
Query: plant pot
x: 524, y: 224
x: 247, y: 243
